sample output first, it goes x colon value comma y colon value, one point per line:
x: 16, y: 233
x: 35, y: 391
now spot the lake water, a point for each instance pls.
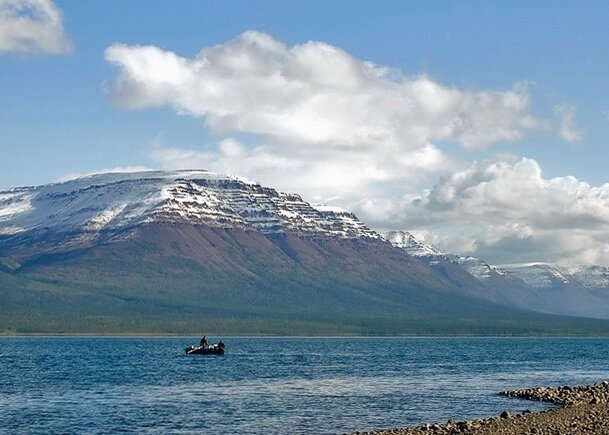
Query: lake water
x: 276, y: 385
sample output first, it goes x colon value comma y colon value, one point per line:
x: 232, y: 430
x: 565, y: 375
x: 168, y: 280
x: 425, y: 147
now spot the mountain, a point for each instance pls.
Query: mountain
x: 478, y: 268
x: 494, y: 283
x: 566, y: 290
x: 575, y: 289
x: 546, y: 275
x: 109, y: 207
x: 190, y: 251
x: 406, y: 241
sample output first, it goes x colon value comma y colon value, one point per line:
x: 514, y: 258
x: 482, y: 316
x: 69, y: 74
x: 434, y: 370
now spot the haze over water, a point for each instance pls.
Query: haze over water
x: 276, y: 385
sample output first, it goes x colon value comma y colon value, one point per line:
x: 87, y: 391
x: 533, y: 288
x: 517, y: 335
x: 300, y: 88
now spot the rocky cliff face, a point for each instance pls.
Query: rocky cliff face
x: 106, y: 207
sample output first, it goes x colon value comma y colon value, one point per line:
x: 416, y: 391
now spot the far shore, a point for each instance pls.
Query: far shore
x: 582, y: 409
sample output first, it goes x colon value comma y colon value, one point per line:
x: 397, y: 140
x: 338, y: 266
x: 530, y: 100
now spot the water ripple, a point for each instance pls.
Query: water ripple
x: 326, y: 385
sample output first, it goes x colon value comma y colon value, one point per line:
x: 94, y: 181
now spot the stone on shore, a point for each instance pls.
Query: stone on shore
x: 583, y: 409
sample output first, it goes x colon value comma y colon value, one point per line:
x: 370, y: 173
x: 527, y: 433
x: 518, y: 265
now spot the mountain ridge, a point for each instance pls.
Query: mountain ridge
x: 581, y: 290
x: 76, y: 212
x: 183, y: 251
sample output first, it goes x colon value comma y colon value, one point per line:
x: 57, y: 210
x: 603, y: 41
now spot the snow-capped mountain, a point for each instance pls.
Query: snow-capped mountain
x: 475, y: 266
x: 176, y: 248
x: 406, y: 241
x: 537, y: 275
x: 197, y: 248
x: 478, y: 267
x: 573, y: 290
x: 546, y: 275
x: 107, y: 206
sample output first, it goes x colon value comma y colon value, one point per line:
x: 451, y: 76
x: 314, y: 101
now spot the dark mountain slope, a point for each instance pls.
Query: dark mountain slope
x: 186, y: 278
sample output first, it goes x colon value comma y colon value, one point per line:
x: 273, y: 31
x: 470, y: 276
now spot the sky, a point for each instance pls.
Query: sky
x: 478, y: 126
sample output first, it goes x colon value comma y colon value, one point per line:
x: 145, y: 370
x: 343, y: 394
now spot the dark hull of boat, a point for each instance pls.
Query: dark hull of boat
x: 199, y: 351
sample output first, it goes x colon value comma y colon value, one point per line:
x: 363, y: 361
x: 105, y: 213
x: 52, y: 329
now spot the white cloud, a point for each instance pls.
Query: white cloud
x: 314, y: 94
x: 506, y: 211
x: 567, y: 127
x: 317, y: 121
x: 32, y: 26
x: 327, y: 177
x: 323, y: 122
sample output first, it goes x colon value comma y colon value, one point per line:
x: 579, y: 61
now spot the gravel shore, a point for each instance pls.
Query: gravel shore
x: 582, y: 410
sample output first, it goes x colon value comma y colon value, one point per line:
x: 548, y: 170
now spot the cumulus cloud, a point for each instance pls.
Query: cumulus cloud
x: 505, y: 210
x: 32, y: 26
x: 313, y: 119
x: 322, y: 121
x: 314, y: 94
x: 325, y: 177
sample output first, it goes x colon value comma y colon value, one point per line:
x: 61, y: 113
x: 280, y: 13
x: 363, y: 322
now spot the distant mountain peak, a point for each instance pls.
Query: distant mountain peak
x: 548, y: 275
x: 414, y: 247
x: 474, y: 266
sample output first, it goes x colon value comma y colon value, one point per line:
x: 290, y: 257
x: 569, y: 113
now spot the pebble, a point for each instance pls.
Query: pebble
x: 583, y: 409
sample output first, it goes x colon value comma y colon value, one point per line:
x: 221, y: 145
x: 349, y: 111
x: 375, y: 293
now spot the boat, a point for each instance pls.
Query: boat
x: 214, y: 349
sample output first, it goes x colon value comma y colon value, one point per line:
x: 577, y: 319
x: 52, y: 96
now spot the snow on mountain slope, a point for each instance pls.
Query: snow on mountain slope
x: 479, y: 268
x: 591, y: 276
x: 112, y: 203
x: 544, y: 275
x: 475, y: 266
x: 537, y: 275
x: 407, y: 242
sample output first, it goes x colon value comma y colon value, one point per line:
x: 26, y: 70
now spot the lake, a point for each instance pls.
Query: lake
x: 276, y: 385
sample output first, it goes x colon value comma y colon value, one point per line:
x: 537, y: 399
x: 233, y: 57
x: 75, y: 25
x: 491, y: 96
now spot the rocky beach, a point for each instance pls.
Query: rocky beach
x: 580, y: 410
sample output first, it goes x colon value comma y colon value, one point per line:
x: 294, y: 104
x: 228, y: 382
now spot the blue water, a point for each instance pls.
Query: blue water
x: 276, y: 385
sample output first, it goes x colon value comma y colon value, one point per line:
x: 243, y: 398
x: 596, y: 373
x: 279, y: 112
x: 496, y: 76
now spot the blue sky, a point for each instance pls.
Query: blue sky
x: 61, y: 112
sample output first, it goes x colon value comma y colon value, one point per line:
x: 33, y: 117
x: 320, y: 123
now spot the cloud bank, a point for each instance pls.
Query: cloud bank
x: 502, y: 210
x: 313, y: 94
x: 323, y: 122
x: 318, y: 121
x: 32, y: 26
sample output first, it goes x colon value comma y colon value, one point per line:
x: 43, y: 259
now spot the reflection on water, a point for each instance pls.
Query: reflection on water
x: 296, y: 385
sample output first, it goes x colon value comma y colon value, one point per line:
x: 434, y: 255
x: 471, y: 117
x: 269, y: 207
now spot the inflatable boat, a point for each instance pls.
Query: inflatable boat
x: 214, y: 349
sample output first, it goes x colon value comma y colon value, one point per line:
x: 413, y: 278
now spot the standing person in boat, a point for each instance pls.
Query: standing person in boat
x: 203, y: 343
